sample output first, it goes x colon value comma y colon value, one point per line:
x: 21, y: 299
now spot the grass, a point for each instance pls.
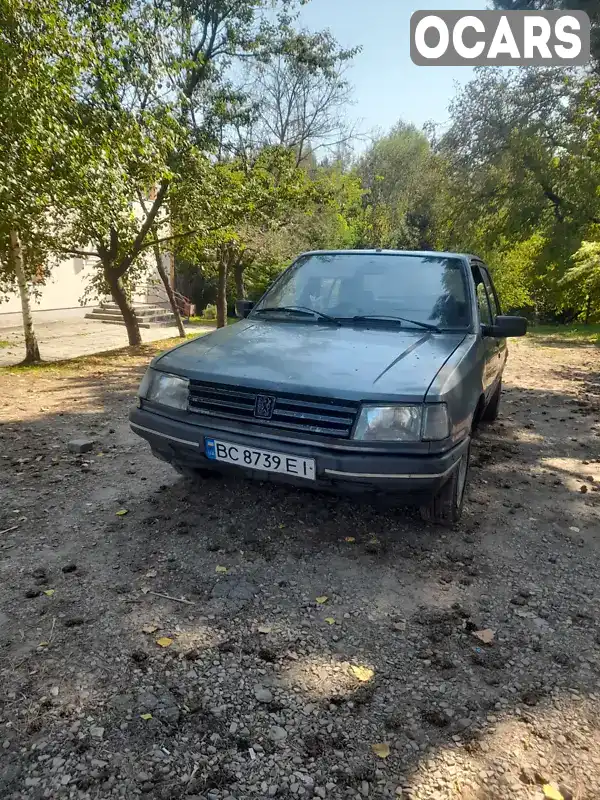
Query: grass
x: 205, y: 321
x: 4, y: 343
x: 577, y: 333
x: 108, y: 359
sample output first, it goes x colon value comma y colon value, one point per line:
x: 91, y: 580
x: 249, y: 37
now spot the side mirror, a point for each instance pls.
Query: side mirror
x: 504, y: 327
x: 243, y: 308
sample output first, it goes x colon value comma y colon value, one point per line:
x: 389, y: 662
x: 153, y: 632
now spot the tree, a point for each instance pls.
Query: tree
x: 302, y: 108
x: 585, y: 274
x: 242, y: 196
x: 157, y: 99
x: 401, y: 175
x: 39, y: 64
x: 522, y: 170
x: 591, y: 8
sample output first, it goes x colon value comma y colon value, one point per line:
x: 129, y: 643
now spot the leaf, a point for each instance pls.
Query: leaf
x: 164, y: 641
x: 551, y: 793
x: 149, y: 628
x: 49, y: 592
x: 382, y: 749
x: 362, y: 673
x: 264, y: 629
x: 221, y: 569
x: 321, y: 600
x: 330, y: 620
x: 122, y: 511
x: 486, y: 636
x: 350, y: 539
x: 146, y: 716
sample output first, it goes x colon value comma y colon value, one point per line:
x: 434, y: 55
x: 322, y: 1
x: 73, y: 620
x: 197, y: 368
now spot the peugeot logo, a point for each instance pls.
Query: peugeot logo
x: 264, y: 406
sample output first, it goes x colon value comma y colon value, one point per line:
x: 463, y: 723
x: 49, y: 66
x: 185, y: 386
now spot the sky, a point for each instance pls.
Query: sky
x: 388, y: 85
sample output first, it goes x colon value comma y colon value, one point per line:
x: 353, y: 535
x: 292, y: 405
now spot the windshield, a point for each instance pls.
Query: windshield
x: 426, y: 289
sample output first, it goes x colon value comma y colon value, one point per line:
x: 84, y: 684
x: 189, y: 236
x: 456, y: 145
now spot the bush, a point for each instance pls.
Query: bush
x: 210, y: 312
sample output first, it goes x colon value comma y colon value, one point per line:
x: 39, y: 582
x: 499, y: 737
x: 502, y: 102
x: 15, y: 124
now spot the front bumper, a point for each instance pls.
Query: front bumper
x: 350, y: 469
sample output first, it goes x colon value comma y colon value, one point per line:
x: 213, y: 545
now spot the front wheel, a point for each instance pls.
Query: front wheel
x: 446, y: 505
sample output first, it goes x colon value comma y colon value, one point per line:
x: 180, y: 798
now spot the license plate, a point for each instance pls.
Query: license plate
x: 264, y: 460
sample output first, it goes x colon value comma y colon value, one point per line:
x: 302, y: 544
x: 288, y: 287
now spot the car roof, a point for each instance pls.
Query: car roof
x: 441, y: 254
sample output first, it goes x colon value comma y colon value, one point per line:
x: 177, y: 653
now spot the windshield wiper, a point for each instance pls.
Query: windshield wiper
x: 304, y: 311
x: 384, y: 318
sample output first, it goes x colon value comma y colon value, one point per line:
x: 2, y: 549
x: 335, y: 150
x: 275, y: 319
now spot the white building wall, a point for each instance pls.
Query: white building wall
x: 63, y: 289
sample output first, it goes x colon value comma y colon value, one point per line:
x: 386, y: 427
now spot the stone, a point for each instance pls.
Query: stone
x: 80, y: 445
x: 263, y: 695
x: 277, y: 733
x: 96, y: 732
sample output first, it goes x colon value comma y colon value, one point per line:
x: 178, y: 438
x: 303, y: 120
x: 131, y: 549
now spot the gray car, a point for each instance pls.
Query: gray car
x: 357, y: 370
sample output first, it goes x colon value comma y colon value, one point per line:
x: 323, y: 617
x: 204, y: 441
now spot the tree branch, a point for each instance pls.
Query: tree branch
x: 138, y: 243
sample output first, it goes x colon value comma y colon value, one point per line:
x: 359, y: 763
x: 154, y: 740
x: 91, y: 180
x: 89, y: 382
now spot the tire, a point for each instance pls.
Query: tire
x: 490, y: 412
x: 446, y: 505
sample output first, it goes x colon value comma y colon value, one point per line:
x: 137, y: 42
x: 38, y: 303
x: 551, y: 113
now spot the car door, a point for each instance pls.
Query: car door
x: 501, y: 347
x: 490, y: 370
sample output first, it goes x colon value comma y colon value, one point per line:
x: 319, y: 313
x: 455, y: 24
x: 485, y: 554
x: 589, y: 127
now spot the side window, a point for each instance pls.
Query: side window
x: 491, y: 292
x: 485, y: 314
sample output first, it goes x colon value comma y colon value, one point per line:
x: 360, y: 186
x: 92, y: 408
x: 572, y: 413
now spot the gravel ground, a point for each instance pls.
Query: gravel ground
x: 326, y: 648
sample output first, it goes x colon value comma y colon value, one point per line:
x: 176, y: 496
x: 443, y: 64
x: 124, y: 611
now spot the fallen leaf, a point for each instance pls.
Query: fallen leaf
x: 350, y: 539
x: 264, y: 629
x: 43, y: 644
x: 122, y: 511
x: 330, y: 620
x: 49, y: 592
x: 362, y: 673
x: 551, y: 793
x: 382, y: 749
x: 221, y: 569
x: 164, y: 641
x: 145, y: 589
x: 322, y: 599
x: 151, y: 574
x: 149, y: 628
x: 146, y: 716
x: 486, y: 636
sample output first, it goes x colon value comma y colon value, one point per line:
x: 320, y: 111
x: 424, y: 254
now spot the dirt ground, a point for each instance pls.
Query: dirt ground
x: 326, y: 648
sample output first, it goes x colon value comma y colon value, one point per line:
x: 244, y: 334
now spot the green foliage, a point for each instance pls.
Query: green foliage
x: 40, y: 62
x: 401, y: 174
x: 522, y: 170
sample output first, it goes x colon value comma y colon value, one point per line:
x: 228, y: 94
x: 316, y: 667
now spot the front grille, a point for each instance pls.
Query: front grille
x: 294, y: 412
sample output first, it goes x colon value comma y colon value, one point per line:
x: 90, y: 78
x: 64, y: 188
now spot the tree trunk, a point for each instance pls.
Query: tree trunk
x: 238, y: 271
x: 588, y: 309
x: 169, y: 290
x: 120, y: 298
x: 32, y: 351
x: 222, y: 289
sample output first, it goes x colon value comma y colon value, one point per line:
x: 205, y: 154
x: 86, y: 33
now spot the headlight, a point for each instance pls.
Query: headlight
x: 168, y: 390
x: 402, y: 423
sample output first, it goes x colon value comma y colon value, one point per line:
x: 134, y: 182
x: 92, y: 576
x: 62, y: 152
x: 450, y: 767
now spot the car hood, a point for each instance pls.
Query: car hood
x: 349, y: 362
